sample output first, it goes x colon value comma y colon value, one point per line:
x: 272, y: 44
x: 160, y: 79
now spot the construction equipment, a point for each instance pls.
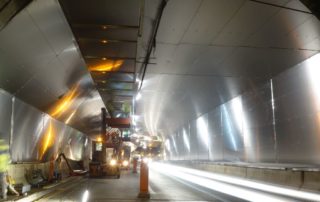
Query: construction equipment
x: 105, y: 152
x: 125, y: 156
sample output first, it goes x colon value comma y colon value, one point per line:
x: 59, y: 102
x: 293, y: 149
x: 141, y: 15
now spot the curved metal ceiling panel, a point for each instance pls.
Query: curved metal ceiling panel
x: 107, y: 33
x: 120, y: 12
x: 42, y: 65
x: 210, y: 51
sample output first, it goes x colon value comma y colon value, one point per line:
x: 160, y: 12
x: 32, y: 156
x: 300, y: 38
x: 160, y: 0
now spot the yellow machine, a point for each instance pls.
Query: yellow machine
x: 125, y: 159
x: 105, y: 152
x: 104, y: 161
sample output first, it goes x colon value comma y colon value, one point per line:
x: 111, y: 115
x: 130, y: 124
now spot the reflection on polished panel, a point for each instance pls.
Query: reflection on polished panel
x: 5, y: 113
x: 107, y: 66
x: 70, y: 117
x: 278, y: 121
x: 27, y: 131
x: 186, y: 139
x: 47, y: 140
x: 65, y: 102
x: 35, y: 135
x: 202, y: 128
x: 229, y: 130
x: 313, y: 70
x: 174, y: 144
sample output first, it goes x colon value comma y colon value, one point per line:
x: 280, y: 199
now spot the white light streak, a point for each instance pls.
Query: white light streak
x: 168, y: 145
x: 229, y: 127
x: 202, y: 128
x: 70, y: 117
x: 174, y: 143
x: 209, y: 180
x: 86, y: 142
x: 313, y: 69
x: 85, y: 196
x: 138, y: 96
x: 236, y: 104
x: 186, y: 139
x: 242, y: 124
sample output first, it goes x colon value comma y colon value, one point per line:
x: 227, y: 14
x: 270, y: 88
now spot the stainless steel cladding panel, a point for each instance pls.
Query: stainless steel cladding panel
x: 5, y: 115
x: 293, y: 93
x: 179, y: 143
x: 49, y: 143
x: 168, y: 149
x: 297, y: 104
x: 203, y: 137
x: 77, y: 145
x: 183, y: 144
x: 263, y: 145
x: 88, y: 148
x: 258, y: 130
x: 73, y: 144
x: 215, y: 134
x: 186, y: 141
x: 173, y: 147
x: 257, y: 106
x: 274, y: 122
x: 27, y: 131
x: 298, y: 140
x: 193, y: 140
x: 232, y: 125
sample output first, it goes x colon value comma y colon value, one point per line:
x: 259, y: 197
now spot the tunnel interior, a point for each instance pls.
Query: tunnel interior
x: 233, y: 82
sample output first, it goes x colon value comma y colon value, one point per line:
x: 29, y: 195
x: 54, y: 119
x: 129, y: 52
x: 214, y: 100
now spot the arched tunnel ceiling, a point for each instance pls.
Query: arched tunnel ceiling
x: 206, y: 52
x: 209, y: 51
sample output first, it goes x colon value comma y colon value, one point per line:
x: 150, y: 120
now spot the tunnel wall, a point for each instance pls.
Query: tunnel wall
x: 277, y: 122
x: 34, y: 136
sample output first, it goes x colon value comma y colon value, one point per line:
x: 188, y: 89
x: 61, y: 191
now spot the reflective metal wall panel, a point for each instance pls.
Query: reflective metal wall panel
x: 73, y: 144
x: 297, y: 104
x: 193, y: 140
x: 276, y: 122
x: 258, y: 130
x: 293, y: 102
x: 263, y: 145
x: 5, y: 115
x: 35, y: 135
x: 180, y: 148
x: 298, y: 140
x: 184, y: 143
x: 175, y: 146
x: 232, y: 125
x: 203, y: 137
x: 215, y: 134
x: 187, y: 141
x: 27, y: 130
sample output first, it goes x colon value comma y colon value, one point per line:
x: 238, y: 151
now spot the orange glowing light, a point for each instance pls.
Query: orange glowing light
x: 104, y: 27
x: 103, y: 58
x: 47, y: 140
x: 65, y: 102
x: 107, y: 66
x: 99, y: 139
x: 104, y: 41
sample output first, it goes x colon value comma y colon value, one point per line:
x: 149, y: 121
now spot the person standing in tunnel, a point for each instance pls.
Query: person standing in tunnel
x: 4, y: 162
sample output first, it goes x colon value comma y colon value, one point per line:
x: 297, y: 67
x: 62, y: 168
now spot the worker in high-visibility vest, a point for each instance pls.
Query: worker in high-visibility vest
x: 4, y: 162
